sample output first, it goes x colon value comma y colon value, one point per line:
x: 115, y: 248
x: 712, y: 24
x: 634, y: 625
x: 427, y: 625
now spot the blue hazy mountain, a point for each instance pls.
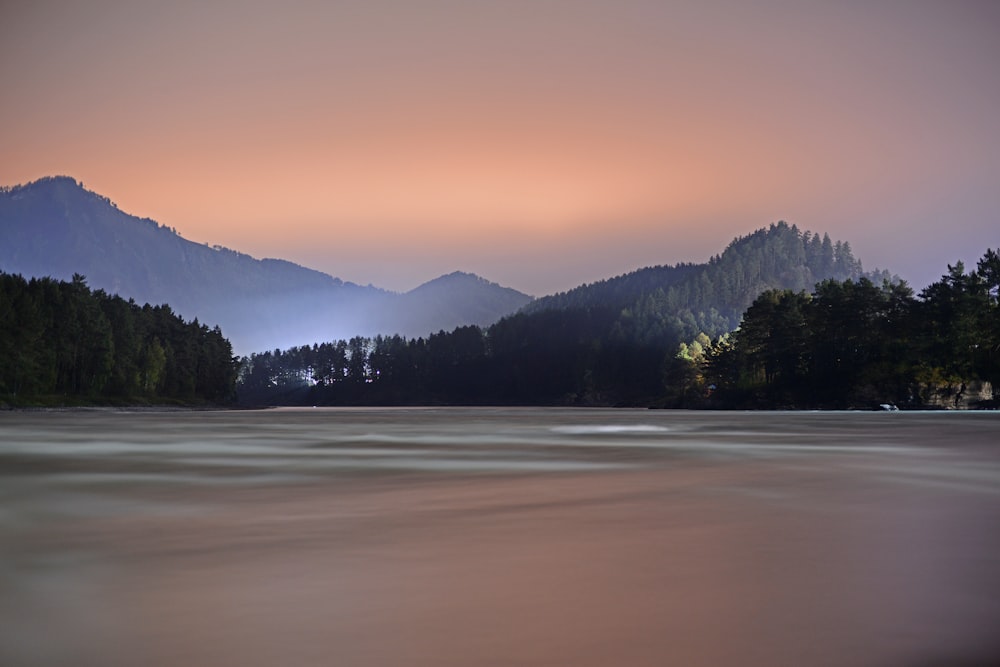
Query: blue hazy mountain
x: 55, y: 227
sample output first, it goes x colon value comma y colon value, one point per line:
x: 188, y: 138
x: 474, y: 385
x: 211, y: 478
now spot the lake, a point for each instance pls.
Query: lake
x: 499, y: 537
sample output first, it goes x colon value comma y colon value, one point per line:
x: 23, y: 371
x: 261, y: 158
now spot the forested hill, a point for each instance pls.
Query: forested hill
x: 850, y: 344
x: 54, y: 227
x: 857, y: 344
x: 711, y: 297
x: 611, y: 343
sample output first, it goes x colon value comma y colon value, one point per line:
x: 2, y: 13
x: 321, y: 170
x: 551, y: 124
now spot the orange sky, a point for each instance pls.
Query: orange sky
x: 540, y: 144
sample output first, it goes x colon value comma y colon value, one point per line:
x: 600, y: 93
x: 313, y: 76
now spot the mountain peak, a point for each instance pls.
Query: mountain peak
x: 55, y: 227
x: 50, y: 185
x: 49, y: 182
x: 70, y: 194
x: 711, y: 297
x: 455, y: 278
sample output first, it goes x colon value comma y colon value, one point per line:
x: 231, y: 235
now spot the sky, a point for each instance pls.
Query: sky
x: 540, y: 144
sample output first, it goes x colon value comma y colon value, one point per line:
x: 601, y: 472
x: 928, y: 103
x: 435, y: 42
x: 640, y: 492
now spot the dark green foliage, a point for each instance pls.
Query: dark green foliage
x: 987, y: 350
x: 688, y: 299
x: 857, y: 344
x: 60, y: 339
x: 611, y: 343
x: 851, y: 343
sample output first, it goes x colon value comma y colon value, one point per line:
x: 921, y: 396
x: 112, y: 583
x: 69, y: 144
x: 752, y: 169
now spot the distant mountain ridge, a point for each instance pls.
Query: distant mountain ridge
x: 460, y: 299
x: 55, y: 227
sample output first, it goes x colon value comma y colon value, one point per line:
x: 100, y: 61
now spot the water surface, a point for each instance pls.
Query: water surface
x: 499, y: 537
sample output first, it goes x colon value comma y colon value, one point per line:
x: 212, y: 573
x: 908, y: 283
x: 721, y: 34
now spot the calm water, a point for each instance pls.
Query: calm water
x: 499, y: 537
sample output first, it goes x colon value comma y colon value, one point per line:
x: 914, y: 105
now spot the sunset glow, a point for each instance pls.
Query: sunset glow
x: 540, y: 145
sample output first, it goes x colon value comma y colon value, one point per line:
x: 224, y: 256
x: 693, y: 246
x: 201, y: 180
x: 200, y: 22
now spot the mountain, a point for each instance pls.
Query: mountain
x: 458, y: 299
x: 621, y: 341
x: 54, y: 227
x: 710, y: 298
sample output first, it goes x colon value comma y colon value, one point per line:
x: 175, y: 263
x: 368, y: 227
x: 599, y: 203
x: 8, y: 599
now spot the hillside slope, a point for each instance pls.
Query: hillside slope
x: 616, y: 342
x: 711, y: 297
x: 54, y: 227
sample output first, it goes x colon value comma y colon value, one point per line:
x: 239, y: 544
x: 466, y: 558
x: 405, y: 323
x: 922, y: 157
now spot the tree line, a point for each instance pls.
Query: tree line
x: 850, y: 343
x: 552, y: 358
x: 599, y: 344
x: 60, y: 340
x: 856, y: 344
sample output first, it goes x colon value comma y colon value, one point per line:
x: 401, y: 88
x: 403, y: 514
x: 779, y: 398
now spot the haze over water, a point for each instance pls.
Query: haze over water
x: 498, y: 537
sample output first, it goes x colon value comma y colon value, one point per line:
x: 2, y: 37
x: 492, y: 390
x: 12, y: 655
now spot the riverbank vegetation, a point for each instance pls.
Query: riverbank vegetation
x: 64, y: 344
x: 849, y: 344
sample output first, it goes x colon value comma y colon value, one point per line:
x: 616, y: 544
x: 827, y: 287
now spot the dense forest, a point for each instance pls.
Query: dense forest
x: 664, y: 337
x: 61, y: 342
x: 611, y: 343
x: 711, y: 297
x: 849, y: 344
x: 852, y: 344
